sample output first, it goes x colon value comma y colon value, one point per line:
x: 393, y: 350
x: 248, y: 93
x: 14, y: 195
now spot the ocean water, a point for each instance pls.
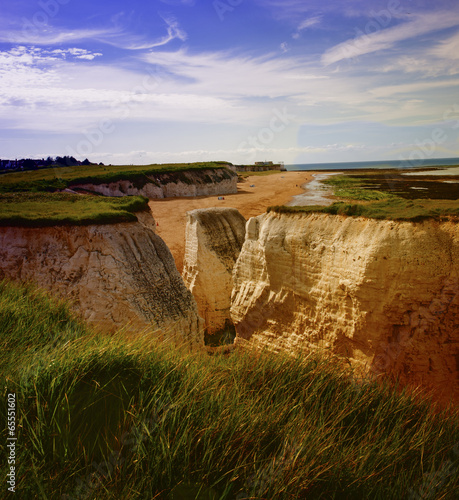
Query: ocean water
x: 435, y: 162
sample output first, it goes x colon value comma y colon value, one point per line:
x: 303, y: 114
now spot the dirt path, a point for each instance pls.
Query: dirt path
x: 275, y: 189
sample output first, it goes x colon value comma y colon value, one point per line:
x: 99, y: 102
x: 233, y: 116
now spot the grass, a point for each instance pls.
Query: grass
x: 29, y: 199
x: 363, y: 200
x: 57, y: 209
x: 351, y: 188
x: 396, y: 209
x: 51, y: 179
x: 108, y: 418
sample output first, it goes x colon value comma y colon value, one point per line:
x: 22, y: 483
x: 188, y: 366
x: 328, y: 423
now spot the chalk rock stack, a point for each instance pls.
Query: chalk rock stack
x: 384, y: 294
x: 214, y: 239
x: 115, y: 275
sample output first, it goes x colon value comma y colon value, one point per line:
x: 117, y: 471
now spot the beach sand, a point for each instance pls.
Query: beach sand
x: 269, y: 190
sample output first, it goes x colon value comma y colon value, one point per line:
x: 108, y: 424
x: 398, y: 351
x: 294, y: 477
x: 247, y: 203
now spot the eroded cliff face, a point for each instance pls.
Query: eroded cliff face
x: 214, y: 239
x: 209, y: 182
x: 385, y: 294
x: 115, y: 275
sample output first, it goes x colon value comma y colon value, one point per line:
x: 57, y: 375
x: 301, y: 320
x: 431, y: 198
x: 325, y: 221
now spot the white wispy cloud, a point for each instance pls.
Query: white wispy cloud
x: 135, y: 42
x: 309, y: 22
x: 223, y: 73
x: 419, y: 24
x: 413, y: 88
x: 52, y: 36
x: 27, y: 57
x: 423, y: 64
x: 64, y: 90
x: 306, y: 24
x: 447, y: 49
x: 117, y: 35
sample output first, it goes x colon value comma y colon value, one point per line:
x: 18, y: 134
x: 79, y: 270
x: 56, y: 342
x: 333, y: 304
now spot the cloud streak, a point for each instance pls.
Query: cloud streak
x: 117, y: 36
x: 387, y: 38
x: 309, y: 22
x: 133, y: 42
x: 53, y: 36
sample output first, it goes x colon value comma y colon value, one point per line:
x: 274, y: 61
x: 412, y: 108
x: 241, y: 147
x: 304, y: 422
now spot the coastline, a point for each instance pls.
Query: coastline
x: 268, y: 190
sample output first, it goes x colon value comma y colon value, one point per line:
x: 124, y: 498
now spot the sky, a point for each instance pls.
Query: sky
x: 299, y: 81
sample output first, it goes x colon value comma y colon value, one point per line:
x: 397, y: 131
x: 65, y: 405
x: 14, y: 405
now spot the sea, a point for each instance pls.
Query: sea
x: 434, y: 162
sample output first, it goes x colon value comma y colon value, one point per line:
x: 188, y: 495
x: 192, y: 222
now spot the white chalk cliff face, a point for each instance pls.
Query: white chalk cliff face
x: 114, y: 274
x: 383, y: 293
x: 209, y: 182
x: 214, y: 239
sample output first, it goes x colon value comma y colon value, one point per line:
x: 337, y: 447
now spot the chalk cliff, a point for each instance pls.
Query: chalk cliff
x: 383, y: 293
x: 208, y: 182
x: 114, y: 274
x: 214, y: 239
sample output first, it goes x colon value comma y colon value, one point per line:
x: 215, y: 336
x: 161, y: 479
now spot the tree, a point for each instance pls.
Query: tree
x: 29, y: 164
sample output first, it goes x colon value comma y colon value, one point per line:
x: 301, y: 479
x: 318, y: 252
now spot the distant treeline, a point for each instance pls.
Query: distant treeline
x: 35, y: 164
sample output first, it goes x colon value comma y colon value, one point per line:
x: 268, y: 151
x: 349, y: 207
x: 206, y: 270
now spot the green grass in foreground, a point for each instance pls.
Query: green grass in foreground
x: 103, y: 417
x: 51, y: 179
x: 54, y: 209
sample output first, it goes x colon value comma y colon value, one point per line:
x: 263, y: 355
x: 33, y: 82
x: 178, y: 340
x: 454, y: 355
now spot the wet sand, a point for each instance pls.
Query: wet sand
x: 269, y: 190
x: 315, y: 193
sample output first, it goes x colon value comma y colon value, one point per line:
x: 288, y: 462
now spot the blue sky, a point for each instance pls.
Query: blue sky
x: 299, y: 81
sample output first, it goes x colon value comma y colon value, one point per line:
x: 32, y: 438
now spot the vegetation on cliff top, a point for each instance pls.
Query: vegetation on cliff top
x: 59, y: 209
x: 388, y: 195
x: 396, y: 209
x: 33, y: 198
x: 52, y: 179
x: 111, y: 417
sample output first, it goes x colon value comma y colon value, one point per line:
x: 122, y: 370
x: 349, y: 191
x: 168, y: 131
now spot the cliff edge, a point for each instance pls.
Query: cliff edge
x: 115, y: 275
x: 206, y: 182
x: 382, y: 293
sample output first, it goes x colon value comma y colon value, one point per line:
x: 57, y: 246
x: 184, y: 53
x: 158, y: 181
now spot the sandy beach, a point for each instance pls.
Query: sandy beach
x: 274, y: 189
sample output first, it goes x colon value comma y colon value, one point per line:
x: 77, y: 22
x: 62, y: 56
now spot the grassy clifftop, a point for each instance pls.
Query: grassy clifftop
x: 395, y: 209
x: 50, y: 179
x: 110, y: 417
x: 32, y: 198
x: 59, y: 209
